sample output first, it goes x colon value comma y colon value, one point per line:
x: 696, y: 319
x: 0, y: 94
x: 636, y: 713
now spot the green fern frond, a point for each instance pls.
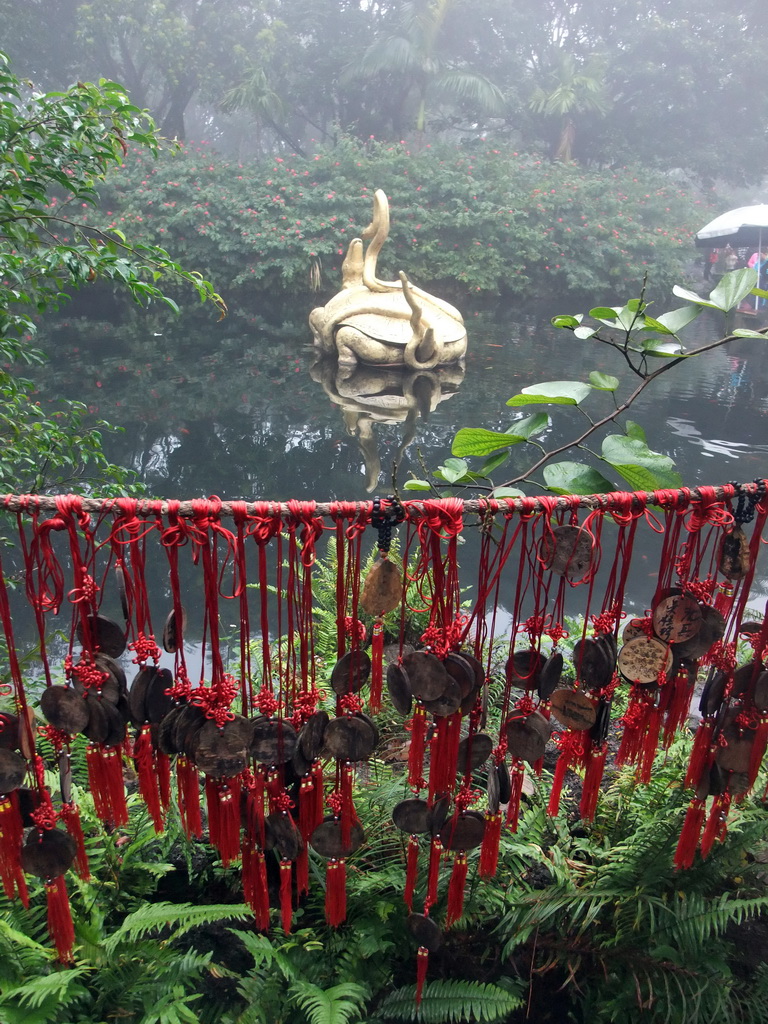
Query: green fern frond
x: 59, y: 987
x: 264, y: 953
x: 17, y: 938
x: 450, y: 1002
x: 176, y: 918
x: 339, y: 1004
x: 695, y: 919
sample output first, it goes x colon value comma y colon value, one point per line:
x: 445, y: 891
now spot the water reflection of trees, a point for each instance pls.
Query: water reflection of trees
x: 232, y: 409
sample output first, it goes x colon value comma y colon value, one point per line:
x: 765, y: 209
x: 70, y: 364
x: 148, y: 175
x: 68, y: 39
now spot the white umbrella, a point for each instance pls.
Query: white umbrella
x: 741, y: 227
x: 738, y: 228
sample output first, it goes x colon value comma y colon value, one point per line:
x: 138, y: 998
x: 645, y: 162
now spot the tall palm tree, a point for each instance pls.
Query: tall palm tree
x: 416, y: 55
x: 570, y: 88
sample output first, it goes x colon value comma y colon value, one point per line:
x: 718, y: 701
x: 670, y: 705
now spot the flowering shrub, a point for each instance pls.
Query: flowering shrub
x: 491, y: 221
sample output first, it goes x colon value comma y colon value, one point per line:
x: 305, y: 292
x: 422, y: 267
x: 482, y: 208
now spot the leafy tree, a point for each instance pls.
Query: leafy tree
x: 54, y: 148
x: 165, y: 52
x: 416, y: 61
x: 567, y: 90
x: 683, y: 80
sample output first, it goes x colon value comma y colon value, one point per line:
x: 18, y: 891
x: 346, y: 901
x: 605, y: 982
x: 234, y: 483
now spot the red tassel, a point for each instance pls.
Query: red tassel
x: 422, y: 963
x: 224, y: 818
x: 163, y: 765
x: 348, y: 814
x: 253, y: 819
x: 417, y: 747
x: 689, y: 834
x: 11, y: 838
x: 724, y: 598
x: 335, y: 892
x: 456, y: 889
x: 317, y: 776
x: 634, y: 722
x: 489, y: 851
x: 255, y: 889
x: 143, y: 758
x: 649, y: 745
x: 440, y: 780
x: 517, y: 777
x: 562, y: 766
x: 377, y: 669
x: 212, y: 807
x: 60, y: 926
x: 70, y: 815
x: 701, y: 753
x: 105, y: 778
x: 716, y: 826
x: 435, y: 853
x: 113, y: 759
x: 188, y: 797
x: 676, y: 706
x: 411, y: 871
x: 286, y: 895
x: 592, y: 779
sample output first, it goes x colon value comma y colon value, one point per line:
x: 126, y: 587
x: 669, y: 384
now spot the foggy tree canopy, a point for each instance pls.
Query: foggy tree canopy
x: 673, y: 83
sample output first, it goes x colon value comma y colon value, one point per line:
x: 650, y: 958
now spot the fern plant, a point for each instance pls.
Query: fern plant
x: 450, y: 1002
x: 627, y: 936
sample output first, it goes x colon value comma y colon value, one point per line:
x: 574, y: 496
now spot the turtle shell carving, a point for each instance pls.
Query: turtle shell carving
x: 386, y: 322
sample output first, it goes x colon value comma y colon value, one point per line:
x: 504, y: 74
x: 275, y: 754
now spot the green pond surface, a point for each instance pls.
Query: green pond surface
x: 239, y: 411
x: 228, y: 409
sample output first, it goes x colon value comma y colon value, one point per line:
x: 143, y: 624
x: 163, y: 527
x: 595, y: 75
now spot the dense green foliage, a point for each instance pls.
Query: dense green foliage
x: 485, y: 220
x: 53, y: 150
x: 595, y: 912
x: 675, y: 84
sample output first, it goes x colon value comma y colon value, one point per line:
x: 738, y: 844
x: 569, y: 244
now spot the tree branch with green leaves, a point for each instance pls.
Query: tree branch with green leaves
x: 640, y: 338
x: 55, y: 149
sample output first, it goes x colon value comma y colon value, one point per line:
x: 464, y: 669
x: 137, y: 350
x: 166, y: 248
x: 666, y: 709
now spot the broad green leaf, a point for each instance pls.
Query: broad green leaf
x: 689, y: 296
x: 640, y: 478
x: 552, y: 392
x: 493, y: 462
x: 584, y: 332
x: 566, y: 321
x: 629, y: 319
x: 575, y: 478
x: 655, y: 325
x: 676, y: 319
x: 507, y: 492
x: 744, y: 332
x: 604, y: 313
x: 603, y: 381
x: 528, y: 426
x: 636, y: 305
x: 733, y: 287
x: 635, y: 431
x: 476, y: 441
x: 642, y: 468
x: 656, y: 347
x: 453, y: 470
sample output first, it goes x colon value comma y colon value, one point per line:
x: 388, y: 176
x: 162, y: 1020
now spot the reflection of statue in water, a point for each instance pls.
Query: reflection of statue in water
x: 377, y: 394
x: 386, y: 322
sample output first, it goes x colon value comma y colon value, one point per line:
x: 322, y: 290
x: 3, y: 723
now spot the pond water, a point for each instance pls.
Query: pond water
x: 229, y: 409
x: 240, y: 411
